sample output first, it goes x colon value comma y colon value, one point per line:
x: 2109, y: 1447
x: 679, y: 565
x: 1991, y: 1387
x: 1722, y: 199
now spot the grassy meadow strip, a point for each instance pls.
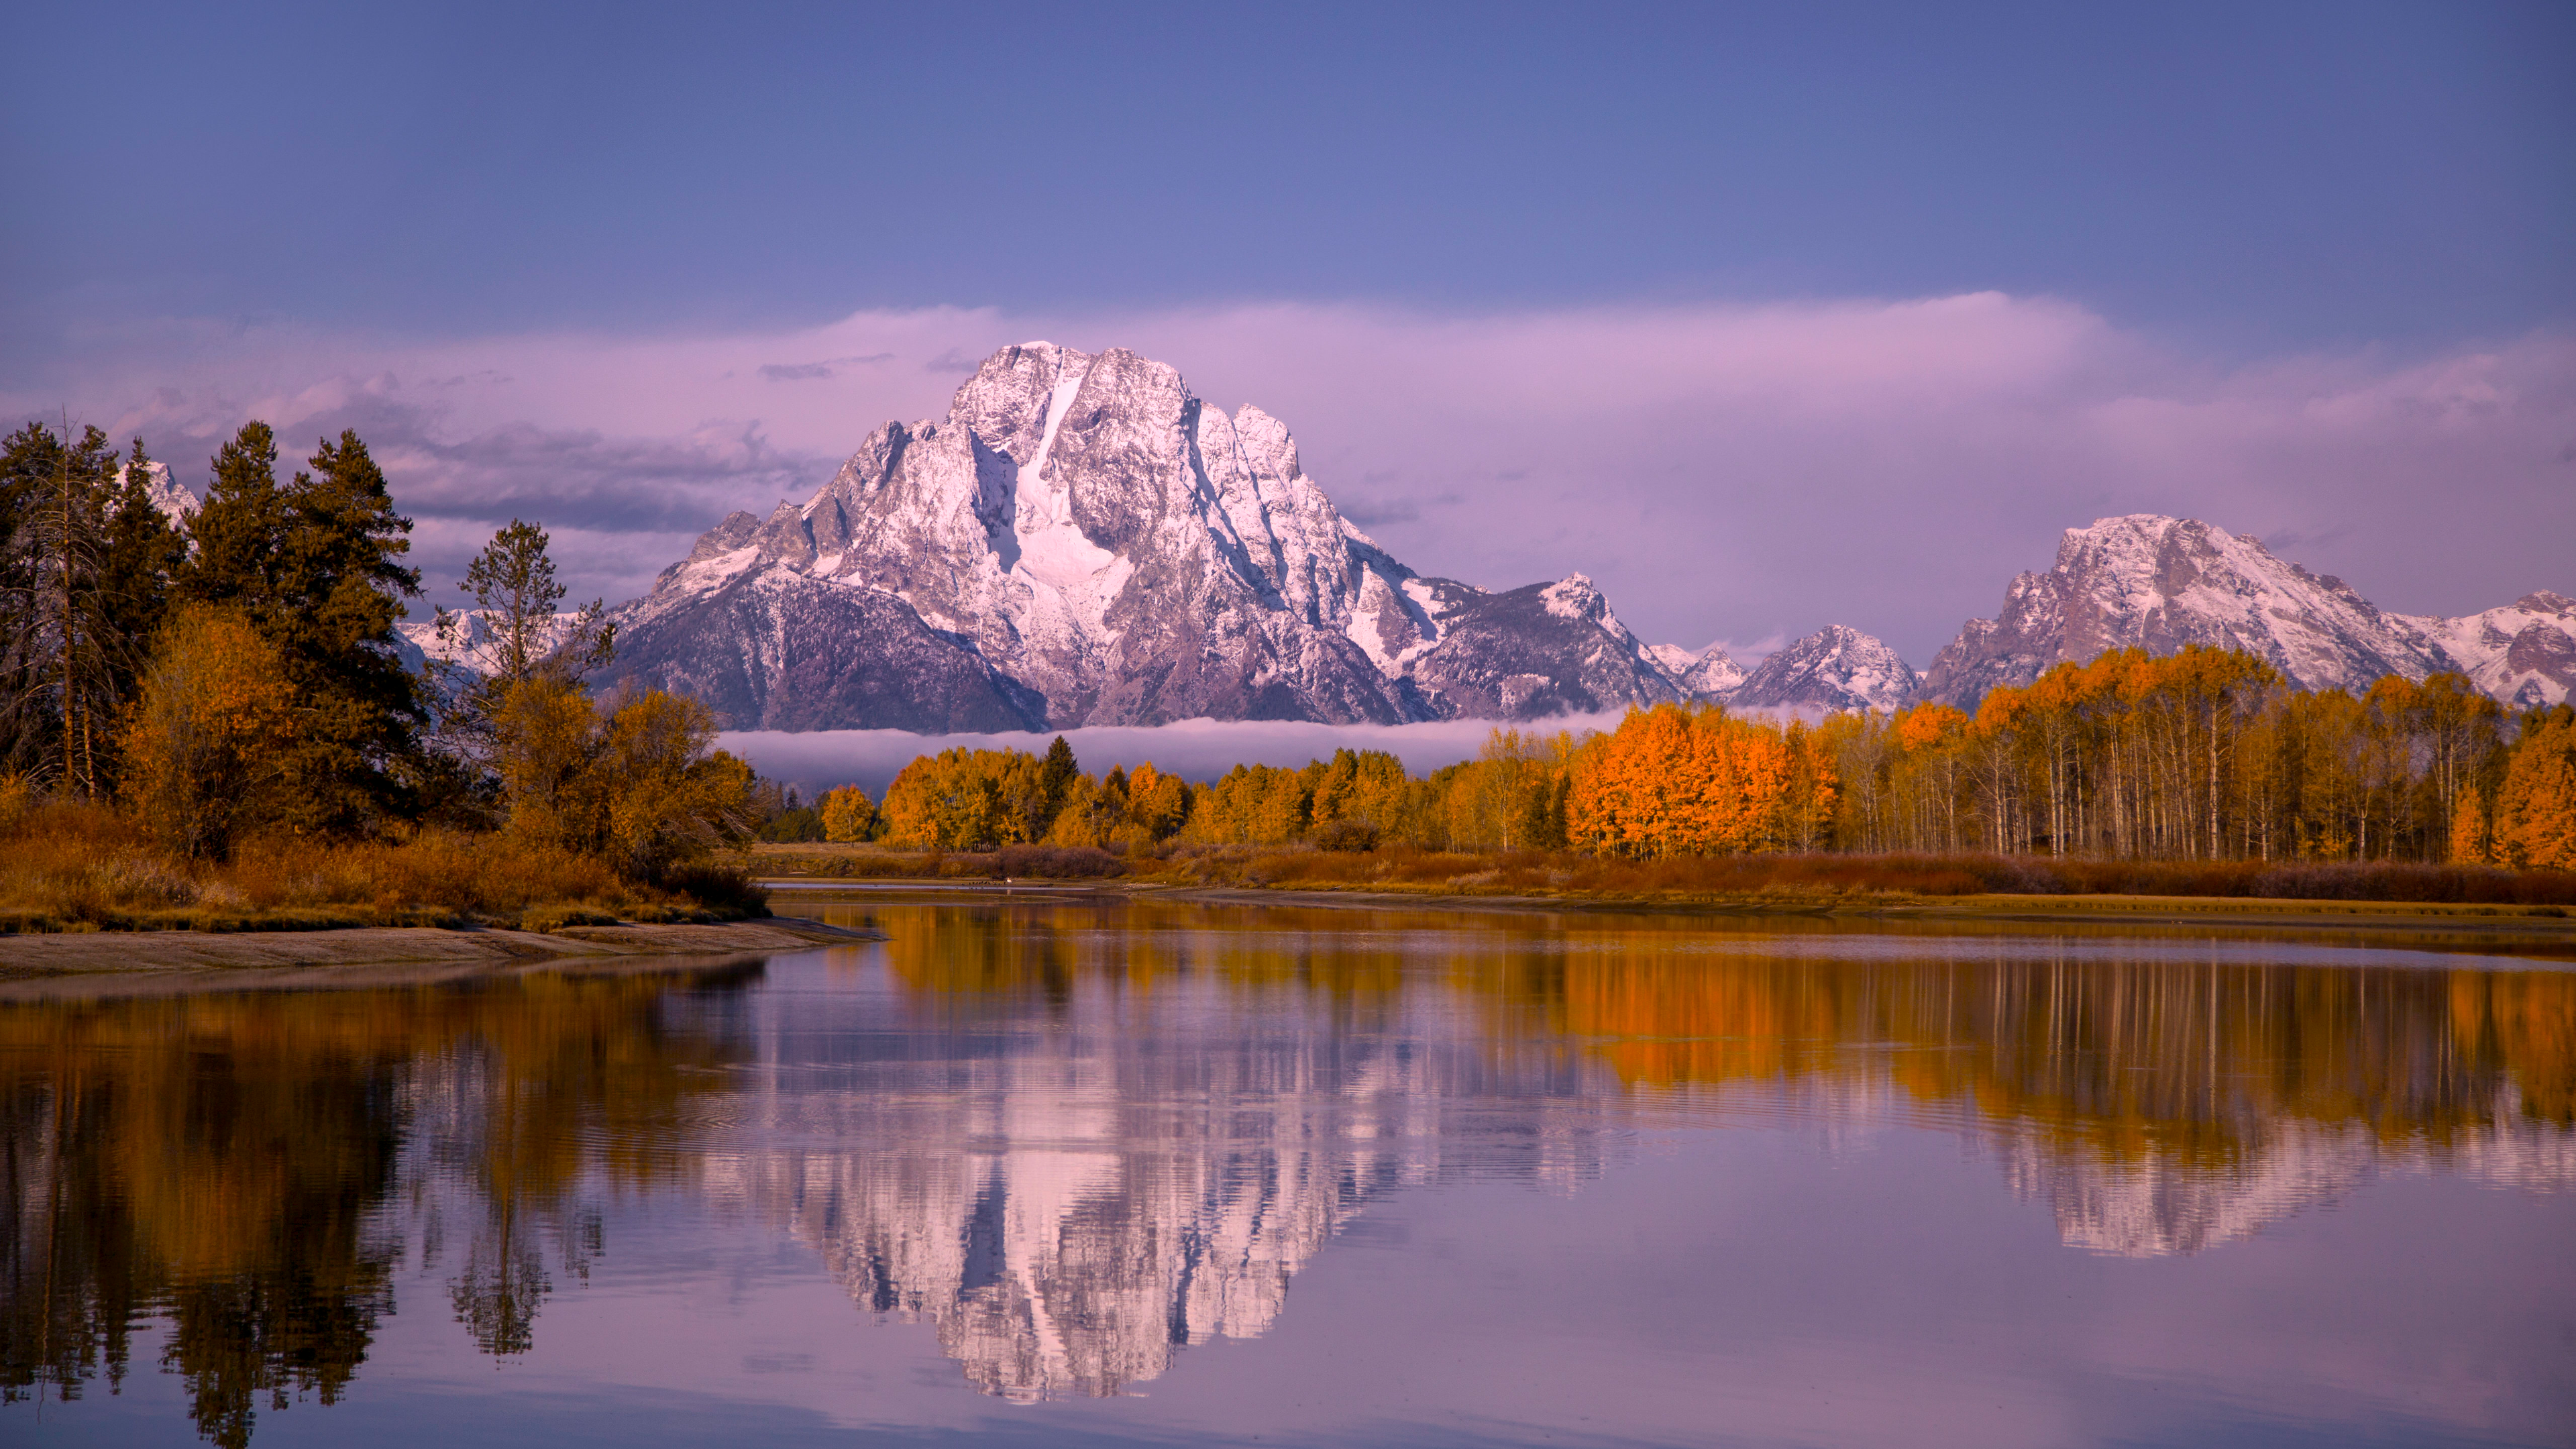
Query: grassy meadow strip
x: 1573, y: 874
x: 74, y: 867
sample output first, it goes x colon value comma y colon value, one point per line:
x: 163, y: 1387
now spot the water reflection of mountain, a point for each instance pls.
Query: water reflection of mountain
x: 1102, y: 1146
x: 1075, y: 1139
x: 2151, y: 1206
x: 2157, y: 1106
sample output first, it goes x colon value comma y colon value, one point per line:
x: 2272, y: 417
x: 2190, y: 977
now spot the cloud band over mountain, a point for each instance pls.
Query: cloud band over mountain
x: 1724, y: 472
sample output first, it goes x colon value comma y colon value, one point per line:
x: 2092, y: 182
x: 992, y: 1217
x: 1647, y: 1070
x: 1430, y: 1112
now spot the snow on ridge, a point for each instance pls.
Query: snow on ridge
x: 2523, y: 654
x: 1837, y: 667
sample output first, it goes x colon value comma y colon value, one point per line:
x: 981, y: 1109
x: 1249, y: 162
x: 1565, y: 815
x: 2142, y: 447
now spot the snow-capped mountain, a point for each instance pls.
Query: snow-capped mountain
x: 2159, y: 583
x: 1540, y: 650
x: 469, y: 643
x: 1834, y: 668
x: 167, y: 493
x: 2523, y: 654
x: 1711, y: 674
x: 1083, y: 541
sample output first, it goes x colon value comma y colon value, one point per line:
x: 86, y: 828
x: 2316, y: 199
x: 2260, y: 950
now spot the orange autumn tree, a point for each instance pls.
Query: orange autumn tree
x: 207, y: 739
x: 2535, y: 811
x: 1698, y: 781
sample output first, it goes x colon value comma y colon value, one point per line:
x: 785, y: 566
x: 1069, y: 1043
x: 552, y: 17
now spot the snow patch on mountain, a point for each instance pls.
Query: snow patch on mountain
x: 168, y: 494
x: 1708, y: 675
x: 1835, y: 668
x: 2147, y: 581
x: 2523, y: 654
x: 470, y: 642
x: 1093, y: 544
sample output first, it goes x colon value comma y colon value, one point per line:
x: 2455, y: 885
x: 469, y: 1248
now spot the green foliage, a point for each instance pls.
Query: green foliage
x: 314, y: 565
x: 71, y: 628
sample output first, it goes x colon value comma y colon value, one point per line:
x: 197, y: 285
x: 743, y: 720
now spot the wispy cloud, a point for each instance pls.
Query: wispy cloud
x: 1743, y: 473
x: 817, y: 371
x: 1194, y: 749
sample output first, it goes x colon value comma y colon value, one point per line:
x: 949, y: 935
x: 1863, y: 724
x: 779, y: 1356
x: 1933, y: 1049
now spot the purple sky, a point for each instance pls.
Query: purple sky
x: 1763, y: 322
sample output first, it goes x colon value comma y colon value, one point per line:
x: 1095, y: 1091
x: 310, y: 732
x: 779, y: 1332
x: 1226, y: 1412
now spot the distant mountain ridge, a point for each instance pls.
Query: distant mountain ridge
x: 1083, y: 541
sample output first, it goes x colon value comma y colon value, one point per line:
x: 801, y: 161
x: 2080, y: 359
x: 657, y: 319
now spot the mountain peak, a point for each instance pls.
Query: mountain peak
x: 2144, y: 580
x: 1081, y: 540
x: 168, y: 494
x: 1837, y: 667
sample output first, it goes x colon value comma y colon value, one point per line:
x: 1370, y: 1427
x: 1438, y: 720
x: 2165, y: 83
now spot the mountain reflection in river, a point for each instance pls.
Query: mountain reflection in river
x: 1077, y: 1137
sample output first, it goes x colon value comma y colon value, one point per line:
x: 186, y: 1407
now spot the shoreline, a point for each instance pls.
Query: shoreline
x: 117, y: 963
x: 96, y: 963
x: 2422, y: 922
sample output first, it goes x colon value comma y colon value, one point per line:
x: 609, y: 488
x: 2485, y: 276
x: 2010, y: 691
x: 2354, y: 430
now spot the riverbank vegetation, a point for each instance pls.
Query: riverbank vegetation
x: 2201, y: 774
x: 2205, y: 756
x: 216, y: 725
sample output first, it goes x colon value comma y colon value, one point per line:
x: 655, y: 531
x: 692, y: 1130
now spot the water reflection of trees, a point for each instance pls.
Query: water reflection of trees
x: 229, y: 1164
x: 1112, y: 1129
x: 2163, y: 1092
x: 2148, y: 1052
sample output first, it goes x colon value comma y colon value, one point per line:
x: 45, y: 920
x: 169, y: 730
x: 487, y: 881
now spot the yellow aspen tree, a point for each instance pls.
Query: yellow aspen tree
x: 207, y: 738
x: 848, y: 814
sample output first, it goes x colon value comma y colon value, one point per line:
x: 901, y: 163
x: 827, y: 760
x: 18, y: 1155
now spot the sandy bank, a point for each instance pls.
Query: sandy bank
x: 158, y: 953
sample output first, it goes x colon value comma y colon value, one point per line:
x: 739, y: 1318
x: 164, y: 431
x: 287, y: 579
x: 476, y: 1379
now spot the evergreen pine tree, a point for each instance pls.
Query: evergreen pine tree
x: 58, y: 698
x: 315, y: 566
x: 240, y: 530
x: 145, y: 553
x: 1055, y: 777
x: 512, y: 582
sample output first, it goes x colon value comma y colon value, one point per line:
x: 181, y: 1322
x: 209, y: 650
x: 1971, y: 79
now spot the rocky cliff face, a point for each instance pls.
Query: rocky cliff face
x: 168, y: 494
x: 1083, y: 541
x: 1834, y: 668
x: 2145, y: 581
x: 2523, y: 654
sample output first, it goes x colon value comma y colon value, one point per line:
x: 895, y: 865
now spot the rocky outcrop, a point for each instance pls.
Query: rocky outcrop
x: 168, y: 494
x: 1709, y: 675
x: 2523, y: 654
x: 1536, y: 651
x: 1834, y: 668
x: 2149, y: 582
x: 1083, y: 541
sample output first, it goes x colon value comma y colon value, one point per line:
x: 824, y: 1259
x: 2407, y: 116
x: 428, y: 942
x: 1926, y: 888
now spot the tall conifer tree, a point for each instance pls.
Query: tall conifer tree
x: 145, y: 552
x: 316, y: 567
x: 58, y: 645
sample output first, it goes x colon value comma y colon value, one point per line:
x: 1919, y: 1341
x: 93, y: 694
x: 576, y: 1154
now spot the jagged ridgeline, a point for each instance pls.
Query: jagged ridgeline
x: 1082, y: 541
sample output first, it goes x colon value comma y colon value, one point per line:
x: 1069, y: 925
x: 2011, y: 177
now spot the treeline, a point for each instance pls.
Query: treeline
x: 2206, y: 755
x: 2209, y: 755
x: 236, y: 675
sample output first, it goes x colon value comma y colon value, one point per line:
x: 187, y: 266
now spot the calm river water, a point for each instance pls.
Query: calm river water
x: 1074, y: 1171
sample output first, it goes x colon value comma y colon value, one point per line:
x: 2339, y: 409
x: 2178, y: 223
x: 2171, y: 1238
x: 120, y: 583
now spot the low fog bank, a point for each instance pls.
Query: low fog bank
x: 1198, y: 749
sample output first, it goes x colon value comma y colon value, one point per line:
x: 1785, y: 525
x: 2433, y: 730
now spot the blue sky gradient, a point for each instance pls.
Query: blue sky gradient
x: 2307, y: 208
x: 2262, y: 175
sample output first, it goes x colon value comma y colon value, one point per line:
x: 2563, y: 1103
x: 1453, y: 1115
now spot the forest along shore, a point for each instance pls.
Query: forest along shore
x: 26, y: 956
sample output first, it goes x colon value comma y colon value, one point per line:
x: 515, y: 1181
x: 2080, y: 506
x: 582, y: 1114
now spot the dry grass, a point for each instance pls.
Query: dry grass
x: 1808, y: 878
x: 1832, y: 876
x: 69, y: 867
x: 877, y: 862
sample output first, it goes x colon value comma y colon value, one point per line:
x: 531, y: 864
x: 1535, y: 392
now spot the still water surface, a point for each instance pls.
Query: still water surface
x: 1081, y: 1171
